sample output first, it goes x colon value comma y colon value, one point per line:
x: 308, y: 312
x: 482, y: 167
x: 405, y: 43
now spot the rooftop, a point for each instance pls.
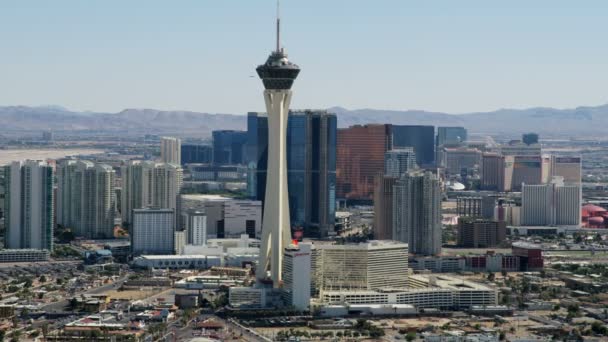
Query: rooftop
x: 527, y: 245
x: 177, y: 257
x: 372, y: 244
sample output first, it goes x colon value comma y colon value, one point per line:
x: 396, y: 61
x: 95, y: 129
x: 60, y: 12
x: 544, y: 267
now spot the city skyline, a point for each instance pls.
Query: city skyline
x: 442, y: 57
x: 310, y: 224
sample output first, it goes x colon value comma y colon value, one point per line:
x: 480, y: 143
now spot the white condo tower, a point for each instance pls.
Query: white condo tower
x: 277, y: 75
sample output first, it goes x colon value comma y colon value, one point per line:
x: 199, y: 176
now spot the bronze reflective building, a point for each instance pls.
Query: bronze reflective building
x: 360, y: 158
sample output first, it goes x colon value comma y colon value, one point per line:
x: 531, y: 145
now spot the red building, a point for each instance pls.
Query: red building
x: 360, y: 158
x: 531, y: 256
x: 491, y: 262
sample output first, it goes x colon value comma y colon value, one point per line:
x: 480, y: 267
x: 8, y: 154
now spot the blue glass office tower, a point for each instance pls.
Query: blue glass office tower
x: 196, y: 154
x: 451, y: 135
x: 256, y: 156
x: 421, y: 138
x: 311, y: 164
x: 228, y: 147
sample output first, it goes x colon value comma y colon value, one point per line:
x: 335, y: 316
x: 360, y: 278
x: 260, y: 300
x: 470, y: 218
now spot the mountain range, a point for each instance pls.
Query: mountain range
x: 580, y: 121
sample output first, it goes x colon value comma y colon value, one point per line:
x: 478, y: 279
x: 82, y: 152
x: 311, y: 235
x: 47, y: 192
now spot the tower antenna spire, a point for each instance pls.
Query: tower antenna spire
x: 278, y: 25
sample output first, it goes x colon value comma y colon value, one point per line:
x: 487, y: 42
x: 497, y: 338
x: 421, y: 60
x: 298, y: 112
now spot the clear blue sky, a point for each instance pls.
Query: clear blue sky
x: 453, y: 56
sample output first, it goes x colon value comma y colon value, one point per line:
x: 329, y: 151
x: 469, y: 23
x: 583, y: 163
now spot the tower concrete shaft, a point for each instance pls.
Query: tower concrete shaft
x: 276, y: 230
x: 277, y: 75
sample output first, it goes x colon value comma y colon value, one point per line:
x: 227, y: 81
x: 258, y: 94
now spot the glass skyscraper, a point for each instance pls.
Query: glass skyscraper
x: 451, y: 135
x: 311, y: 164
x: 196, y: 153
x: 421, y: 138
x: 228, y: 147
x: 360, y: 159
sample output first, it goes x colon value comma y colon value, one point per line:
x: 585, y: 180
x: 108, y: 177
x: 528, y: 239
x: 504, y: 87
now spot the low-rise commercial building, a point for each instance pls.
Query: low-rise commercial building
x: 491, y: 262
x: 249, y: 297
x: 187, y: 301
x: 439, y: 292
x: 208, y: 282
x: 225, y: 217
x: 24, y: 255
x: 531, y: 256
x: 438, y: 264
x: 178, y: 261
x: 367, y: 309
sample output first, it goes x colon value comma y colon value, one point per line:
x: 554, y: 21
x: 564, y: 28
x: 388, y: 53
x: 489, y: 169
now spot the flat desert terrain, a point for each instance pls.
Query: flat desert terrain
x: 8, y: 156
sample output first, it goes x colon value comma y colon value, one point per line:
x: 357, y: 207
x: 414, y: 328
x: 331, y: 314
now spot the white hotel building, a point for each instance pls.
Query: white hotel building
x: 368, y: 266
x: 372, y: 273
x: 171, y: 150
x: 152, y: 231
x: 296, y: 275
x: 554, y: 204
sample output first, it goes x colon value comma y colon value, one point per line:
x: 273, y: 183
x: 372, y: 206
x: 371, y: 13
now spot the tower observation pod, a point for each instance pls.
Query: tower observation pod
x: 278, y: 75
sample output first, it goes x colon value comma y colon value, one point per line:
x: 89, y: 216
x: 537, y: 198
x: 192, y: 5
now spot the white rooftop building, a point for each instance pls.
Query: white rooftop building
x: 441, y: 292
x: 369, y: 265
x: 178, y: 261
x: 554, y: 204
x: 296, y: 275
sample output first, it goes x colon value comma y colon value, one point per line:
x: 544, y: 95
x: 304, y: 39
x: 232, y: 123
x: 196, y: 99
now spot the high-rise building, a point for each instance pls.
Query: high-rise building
x: 153, y: 231
x: 475, y: 206
x: 553, y: 204
x: 311, y: 167
x: 196, y: 227
x: 508, y: 212
x: 171, y: 150
x: 228, y: 147
x: 371, y: 265
x: 529, y: 138
x: 86, y: 198
x: 256, y: 157
x: 468, y: 206
x: 29, y: 205
x: 360, y: 158
x: 545, y: 169
x: 480, y: 233
x: 493, y: 172
x: 398, y: 161
x: 179, y: 241
x: 296, y: 276
x: 278, y: 75
x: 196, y: 154
x: 383, y: 207
x: 417, y: 212
x: 421, y: 138
x: 65, y: 176
x: 522, y: 169
x: 451, y: 135
x: 149, y: 185
x: 459, y: 160
x: 567, y: 167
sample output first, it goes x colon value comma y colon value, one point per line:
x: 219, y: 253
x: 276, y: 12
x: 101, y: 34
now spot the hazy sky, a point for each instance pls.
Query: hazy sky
x: 453, y: 56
